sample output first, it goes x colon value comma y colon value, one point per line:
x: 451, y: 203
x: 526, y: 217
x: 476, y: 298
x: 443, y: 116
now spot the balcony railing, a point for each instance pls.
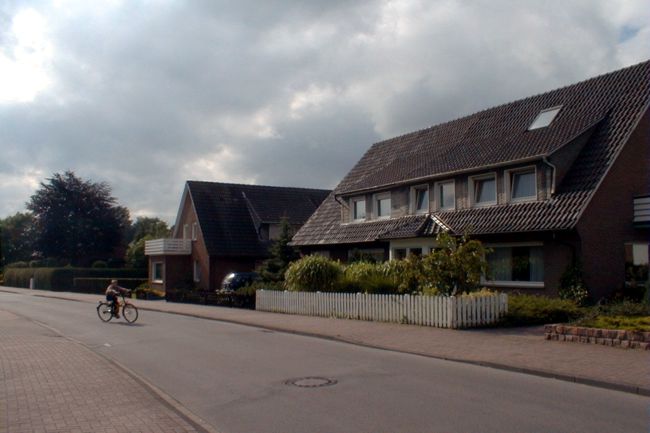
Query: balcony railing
x: 162, y: 247
x: 642, y: 211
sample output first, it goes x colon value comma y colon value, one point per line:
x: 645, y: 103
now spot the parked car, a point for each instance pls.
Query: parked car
x: 235, y: 280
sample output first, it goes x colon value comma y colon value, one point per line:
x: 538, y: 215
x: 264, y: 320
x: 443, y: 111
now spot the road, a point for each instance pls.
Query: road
x: 235, y: 377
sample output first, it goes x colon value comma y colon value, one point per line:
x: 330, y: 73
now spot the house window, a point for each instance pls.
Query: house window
x: 516, y: 264
x: 484, y: 190
x: 195, y: 231
x: 197, y: 271
x: 382, y: 205
x: 420, y: 197
x: 446, y: 195
x: 544, y: 118
x: 157, y: 272
x: 373, y: 255
x: 399, y: 253
x: 358, y: 209
x: 523, y: 185
x: 186, y: 231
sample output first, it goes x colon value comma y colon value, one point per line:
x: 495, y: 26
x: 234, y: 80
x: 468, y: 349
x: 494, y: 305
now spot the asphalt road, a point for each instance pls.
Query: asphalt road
x: 235, y: 377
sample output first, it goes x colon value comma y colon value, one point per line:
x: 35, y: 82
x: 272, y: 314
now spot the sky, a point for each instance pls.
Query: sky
x: 146, y: 94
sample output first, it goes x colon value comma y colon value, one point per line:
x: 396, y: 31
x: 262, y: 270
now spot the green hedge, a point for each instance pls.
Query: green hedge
x: 98, y: 285
x: 62, y: 279
x: 526, y: 310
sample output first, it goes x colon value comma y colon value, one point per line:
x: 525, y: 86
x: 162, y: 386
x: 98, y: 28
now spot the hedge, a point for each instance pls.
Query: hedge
x: 62, y: 279
x: 98, y: 285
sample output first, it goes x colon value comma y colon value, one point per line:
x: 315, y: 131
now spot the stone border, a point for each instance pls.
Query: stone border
x: 606, y: 337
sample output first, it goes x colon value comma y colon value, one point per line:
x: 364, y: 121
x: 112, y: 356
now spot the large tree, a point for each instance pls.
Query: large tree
x: 17, y: 238
x: 282, y: 254
x: 77, y: 220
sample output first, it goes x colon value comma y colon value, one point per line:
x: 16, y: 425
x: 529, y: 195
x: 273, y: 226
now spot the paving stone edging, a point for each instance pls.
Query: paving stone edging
x: 606, y: 337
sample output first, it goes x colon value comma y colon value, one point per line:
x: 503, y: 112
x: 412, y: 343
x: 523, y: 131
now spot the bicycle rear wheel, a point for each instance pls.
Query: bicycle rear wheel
x: 105, y: 312
x: 130, y: 313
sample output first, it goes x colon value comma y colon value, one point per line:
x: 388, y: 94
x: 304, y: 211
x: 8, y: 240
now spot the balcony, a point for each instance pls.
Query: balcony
x: 642, y: 211
x: 166, y: 247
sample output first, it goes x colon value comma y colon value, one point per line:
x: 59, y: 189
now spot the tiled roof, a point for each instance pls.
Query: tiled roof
x: 228, y: 214
x: 612, y: 104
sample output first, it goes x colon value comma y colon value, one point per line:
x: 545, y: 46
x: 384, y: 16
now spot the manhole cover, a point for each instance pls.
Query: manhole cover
x: 310, y: 382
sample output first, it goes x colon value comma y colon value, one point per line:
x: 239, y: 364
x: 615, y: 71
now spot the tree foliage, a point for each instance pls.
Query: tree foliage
x: 17, y: 238
x: 77, y: 219
x: 153, y: 227
x: 282, y: 254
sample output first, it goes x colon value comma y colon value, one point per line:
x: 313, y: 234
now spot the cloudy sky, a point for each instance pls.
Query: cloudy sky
x: 145, y: 94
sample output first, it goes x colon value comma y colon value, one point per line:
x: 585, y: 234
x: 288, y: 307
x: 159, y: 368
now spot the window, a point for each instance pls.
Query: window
x: 374, y: 255
x: 446, y: 195
x: 523, y: 185
x: 544, y: 118
x: 195, y: 231
x: 358, y: 209
x: 484, y: 190
x: 420, y: 197
x: 186, y: 231
x: 382, y: 205
x: 157, y: 271
x: 197, y: 271
x: 516, y: 264
x: 399, y: 253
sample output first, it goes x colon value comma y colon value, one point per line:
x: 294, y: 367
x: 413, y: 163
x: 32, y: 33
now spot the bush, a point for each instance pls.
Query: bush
x: 313, y: 273
x: 366, y: 277
x: 262, y: 285
x: 525, y: 310
x: 36, y: 263
x: 406, y: 275
x: 99, y: 264
x: 572, y: 285
x: 98, y: 285
x: 18, y: 277
x: 61, y: 279
x: 17, y: 265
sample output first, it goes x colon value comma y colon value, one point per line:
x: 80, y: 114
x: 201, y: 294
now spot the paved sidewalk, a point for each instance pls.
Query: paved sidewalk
x: 518, y: 349
x: 50, y: 384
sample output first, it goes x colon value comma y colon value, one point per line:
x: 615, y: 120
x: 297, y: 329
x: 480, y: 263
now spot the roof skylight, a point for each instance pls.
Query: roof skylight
x: 544, y: 118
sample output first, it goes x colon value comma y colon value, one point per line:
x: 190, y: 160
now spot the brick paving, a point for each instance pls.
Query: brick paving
x: 50, y: 384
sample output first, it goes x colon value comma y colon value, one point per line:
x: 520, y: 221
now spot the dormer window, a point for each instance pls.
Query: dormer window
x: 523, y: 184
x: 382, y: 205
x: 358, y: 209
x: 544, y: 118
x: 446, y: 195
x: 420, y: 199
x: 484, y: 190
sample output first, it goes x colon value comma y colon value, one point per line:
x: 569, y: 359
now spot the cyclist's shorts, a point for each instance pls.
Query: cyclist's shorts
x: 110, y: 298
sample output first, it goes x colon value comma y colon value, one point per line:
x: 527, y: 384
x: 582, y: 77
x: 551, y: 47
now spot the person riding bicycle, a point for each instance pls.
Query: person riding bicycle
x: 112, y: 292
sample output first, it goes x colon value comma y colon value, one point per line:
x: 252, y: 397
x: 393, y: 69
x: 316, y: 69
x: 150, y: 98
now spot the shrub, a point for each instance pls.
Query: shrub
x: 524, y: 310
x: 18, y: 277
x: 36, y: 263
x: 17, y: 265
x: 406, y: 275
x: 313, y: 273
x: 366, y: 277
x: 572, y: 284
x: 63, y: 278
x: 262, y: 285
x: 98, y: 285
x: 99, y: 264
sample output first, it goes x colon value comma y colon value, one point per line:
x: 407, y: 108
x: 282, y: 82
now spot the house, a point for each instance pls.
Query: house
x: 543, y: 181
x: 223, y: 227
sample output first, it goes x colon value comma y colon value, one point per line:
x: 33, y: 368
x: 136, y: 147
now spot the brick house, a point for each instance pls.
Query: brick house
x: 542, y: 181
x: 221, y: 228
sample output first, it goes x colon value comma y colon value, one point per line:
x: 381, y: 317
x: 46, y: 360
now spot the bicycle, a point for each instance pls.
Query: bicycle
x: 106, y: 313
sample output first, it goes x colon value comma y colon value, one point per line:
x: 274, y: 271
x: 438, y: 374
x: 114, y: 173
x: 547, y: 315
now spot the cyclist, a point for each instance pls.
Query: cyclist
x: 112, y: 291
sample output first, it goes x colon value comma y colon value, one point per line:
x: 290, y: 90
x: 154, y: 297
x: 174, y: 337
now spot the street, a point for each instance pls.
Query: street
x: 243, y: 379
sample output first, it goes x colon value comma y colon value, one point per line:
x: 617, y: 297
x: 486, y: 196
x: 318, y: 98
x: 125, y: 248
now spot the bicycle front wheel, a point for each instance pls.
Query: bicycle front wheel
x: 130, y: 313
x: 105, y: 312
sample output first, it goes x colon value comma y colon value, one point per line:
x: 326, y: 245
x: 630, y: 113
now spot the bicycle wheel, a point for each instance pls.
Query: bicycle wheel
x: 105, y: 312
x: 130, y: 313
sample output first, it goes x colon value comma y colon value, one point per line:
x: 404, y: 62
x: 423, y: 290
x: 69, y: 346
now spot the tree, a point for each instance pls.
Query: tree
x: 282, y: 254
x: 17, y: 238
x: 77, y: 219
x: 455, y: 266
x: 142, y: 230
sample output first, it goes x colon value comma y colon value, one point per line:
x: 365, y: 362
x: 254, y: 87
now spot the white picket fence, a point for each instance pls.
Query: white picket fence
x: 438, y: 311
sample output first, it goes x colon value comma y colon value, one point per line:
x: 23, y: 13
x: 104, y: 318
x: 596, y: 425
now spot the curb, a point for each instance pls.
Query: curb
x: 631, y: 389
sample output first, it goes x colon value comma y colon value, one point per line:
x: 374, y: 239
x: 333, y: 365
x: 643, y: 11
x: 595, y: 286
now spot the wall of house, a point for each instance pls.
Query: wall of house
x: 341, y: 252
x: 199, y: 251
x: 606, y: 225
x: 177, y: 272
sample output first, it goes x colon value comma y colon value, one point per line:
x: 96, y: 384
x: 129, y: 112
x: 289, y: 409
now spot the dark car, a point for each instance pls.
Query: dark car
x: 235, y: 280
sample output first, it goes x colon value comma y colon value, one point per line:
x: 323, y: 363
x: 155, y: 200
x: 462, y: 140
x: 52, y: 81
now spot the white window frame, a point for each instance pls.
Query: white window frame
x: 153, y: 272
x: 557, y: 110
x: 375, y: 205
x: 414, y: 196
x: 510, y: 177
x: 426, y: 245
x: 186, y: 231
x: 472, y: 189
x: 353, y: 202
x: 438, y: 193
x: 195, y: 231
x: 196, y: 271
x: 514, y: 284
